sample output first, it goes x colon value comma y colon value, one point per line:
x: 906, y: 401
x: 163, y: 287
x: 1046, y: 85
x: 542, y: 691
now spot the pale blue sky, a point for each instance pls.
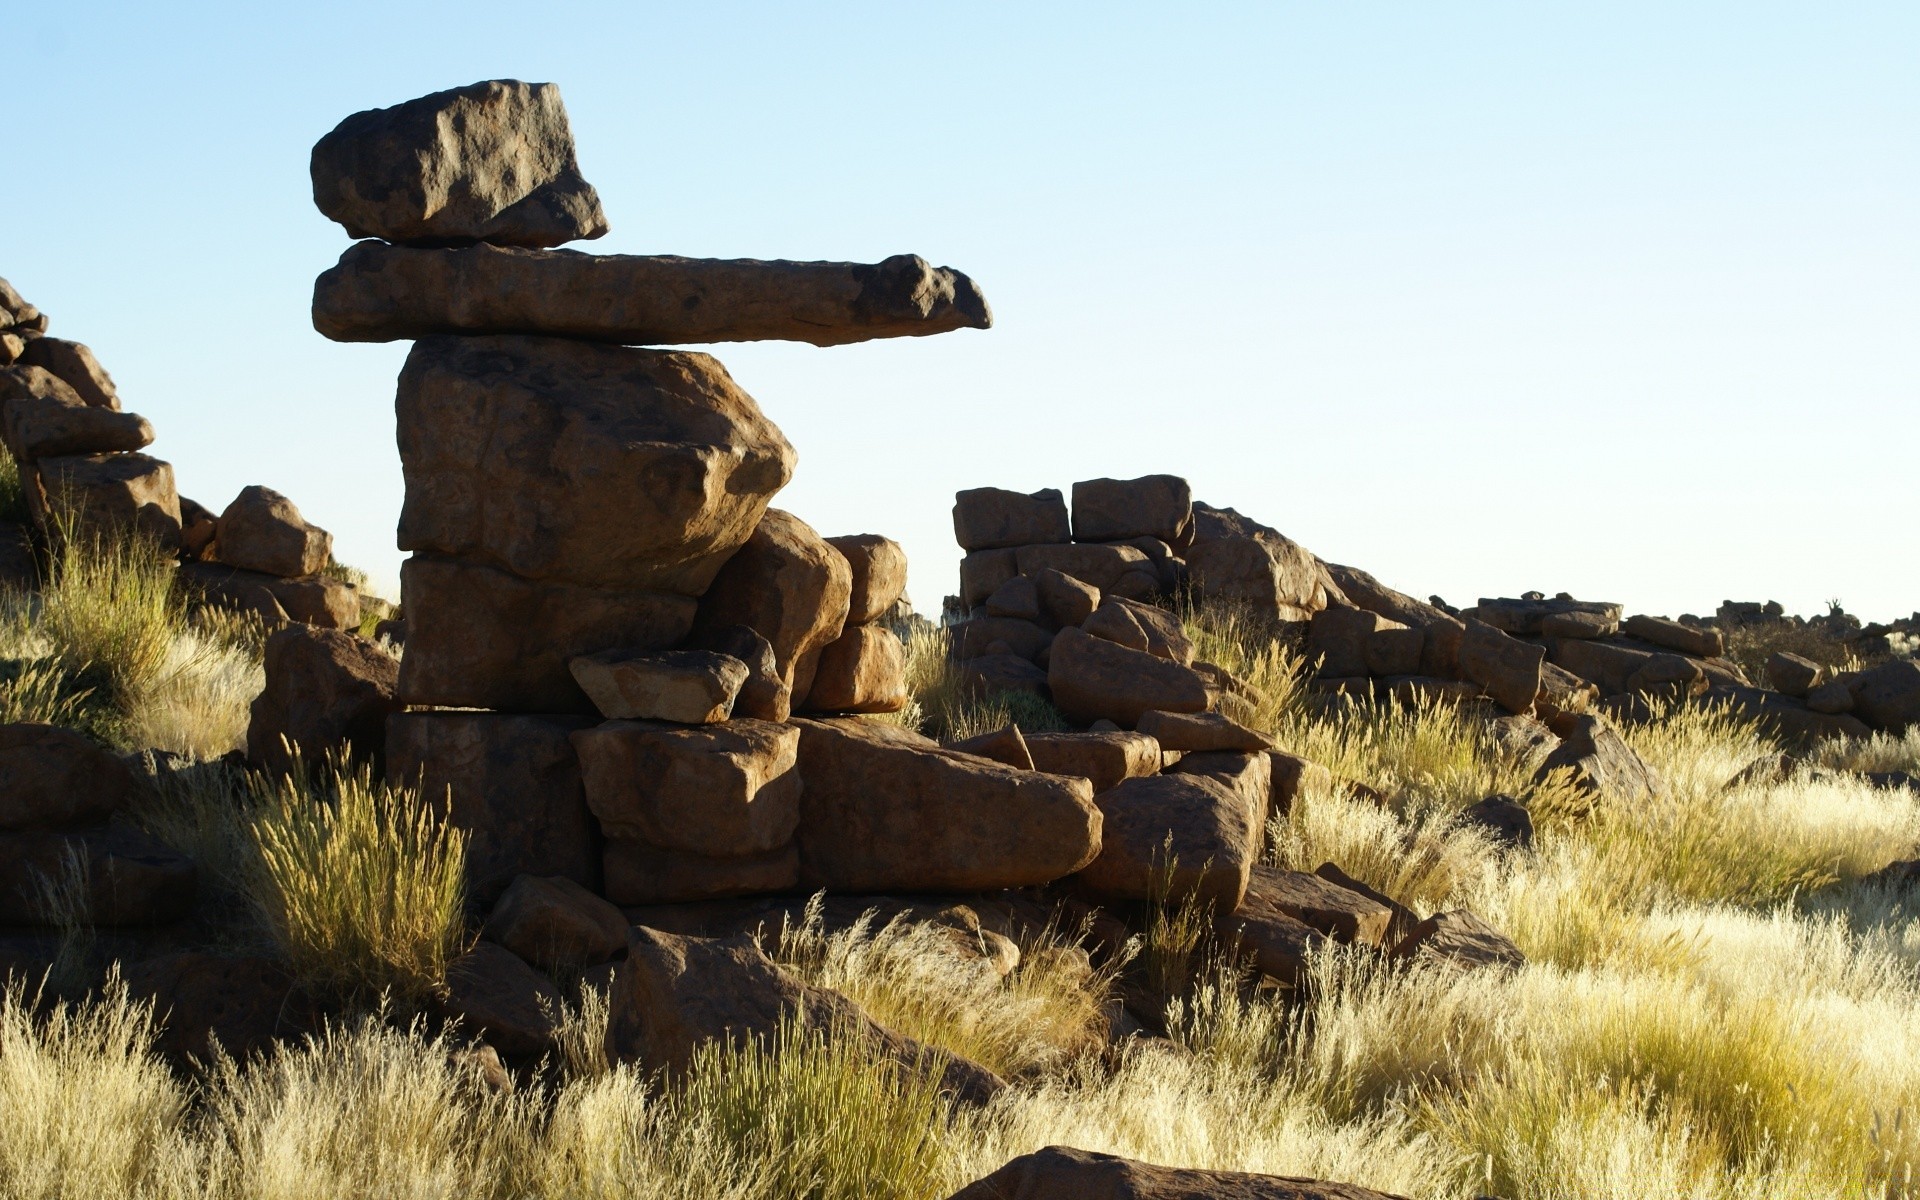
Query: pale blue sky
x: 1619, y: 299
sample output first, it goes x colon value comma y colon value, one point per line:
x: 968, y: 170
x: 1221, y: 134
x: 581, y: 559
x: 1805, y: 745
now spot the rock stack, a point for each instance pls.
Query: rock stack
x: 607, y: 626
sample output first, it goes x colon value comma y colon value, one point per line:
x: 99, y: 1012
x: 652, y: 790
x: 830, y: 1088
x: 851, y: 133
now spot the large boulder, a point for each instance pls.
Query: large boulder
x: 1439, y: 649
x: 124, y: 876
x: 1113, y: 510
x: 571, y: 462
x: 864, y: 670
x: 382, y: 293
x: 1238, y: 561
x: 1063, y: 1173
x: 787, y: 584
x: 1092, y: 678
x: 116, y: 491
x: 1141, y: 627
x: 879, y: 567
x: 995, y: 518
x: 52, y: 777
x: 496, y: 995
x: 511, y: 781
x: 263, y: 531
x: 1599, y: 761
x: 720, y: 790
x: 675, y: 994
x: 1173, y: 836
x: 325, y: 691
x: 1339, y: 913
x: 691, y: 687
x: 74, y: 365
x: 1506, y: 666
x: 1201, y: 732
x: 480, y: 637
x: 47, y: 418
x: 1527, y: 615
x: 1888, y: 696
x: 556, y: 924
x: 1106, y: 758
x: 492, y: 161
x: 983, y: 572
x: 883, y: 809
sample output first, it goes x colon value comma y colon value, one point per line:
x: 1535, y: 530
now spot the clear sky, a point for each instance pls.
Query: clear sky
x: 1619, y: 299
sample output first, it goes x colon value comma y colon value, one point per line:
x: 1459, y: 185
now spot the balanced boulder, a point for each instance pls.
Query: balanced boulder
x: 1113, y: 510
x: 995, y: 518
x: 787, y: 584
x: 1093, y: 678
x: 1173, y: 837
x: 263, y: 531
x: 879, y: 566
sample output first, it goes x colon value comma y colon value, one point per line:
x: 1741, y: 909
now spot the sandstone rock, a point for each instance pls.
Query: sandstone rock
x: 198, y: 524
x: 1239, y: 561
x: 1508, y: 668
x: 1136, y: 583
x: 1672, y: 675
x: 491, y: 161
x: 117, y: 491
x: 1404, y: 919
x: 1888, y: 696
x: 263, y: 531
x: 58, y: 424
x: 1098, y: 566
x: 1338, y: 639
x: 1278, y: 943
x: 1200, y: 732
x: 982, y: 573
x: 693, y: 687
x: 1792, y: 675
x: 585, y: 464
x: 1173, y: 836
x: 887, y: 810
x: 52, y: 777
x: 204, y: 1000
x: 556, y: 924
x: 1579, y: 625
x: 1506, y: 820
x: 675, y: 994
x: 979, y: 637
x: 1063, y: 1173
x: 74, y: 365
x: 1113, y: 510
x: 1463, y: 939
x: 1002, y: 746
x: 1688, y: 639
x: 1339, y: 913
x: 325, y: 690
x: 1105, y: 759
x: 879, y: 574
x: 994, y: 518
x: 512, y: 782
x: 718, y: 790
x: 497, y: 996
x: 1607, y: 664
x: 638, y: 873
x: 12, y: 346
x: 1524, y: 616
x: 1091, y: 678
x: 990, y: 673
x: 791, y: 587
x: 130, y: 877
x: 382, y: 293
x: 1017, y: 599
x: 317, y: 600
x: 481, y: 637
x: 1440, y: 631
x: 765, y: 695
x: 1248, y: 775
x: 864, y: 670
x: 1063, y: 599
x: 1141, y: 627
x: 1395, y: 651
x: 1293, y: 776
x: 1564, y: 690
x: 1600, y: 761
x: 1831, y: 697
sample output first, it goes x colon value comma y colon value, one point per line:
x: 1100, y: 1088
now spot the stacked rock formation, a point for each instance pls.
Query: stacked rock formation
x: 608, y: 628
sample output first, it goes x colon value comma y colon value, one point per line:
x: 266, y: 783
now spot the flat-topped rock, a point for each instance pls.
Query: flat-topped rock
x: 382, y: 293
x: 692, y: 687
x: 492, y: 161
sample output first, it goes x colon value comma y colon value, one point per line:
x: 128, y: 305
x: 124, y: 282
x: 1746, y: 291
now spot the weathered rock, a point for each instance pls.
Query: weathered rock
x: 1463, y: 939
x: 1173, y: 836
x: 20, y: 566
x: 864, y: 670
x: 512, y: 782
x: 497, y: 996
x: 994, y: 518
x: 1792, y: 675
x: 990, y: 673
x: 675, y: 994
x: 1579, y: 625
x: 1506, y: 820
x: 1600, y: 762
x: 73, y: 364
x: 317, y: 600
x: 1002, y: 746
x: 1141, y: 627
x: 879, y: 574
x: 1098, y: 565
x: 116, y: 491
x: 978, y: 637
x: 1606, y: 664
x: 1091, y: 678
x: 491, y: 161
x: 1785, y: 716
x: 586, y: 464
x: 1888, y: 696
x: 1336, y: 912
x: 765, y: 695
x: 1831, y: 697
x: 325, y: 691
x: 1063, y: 599
x: 693, y: 687
x: 1338, y: 639
x: 1017, y: 599
x: 887, y: 810
x: 1063, y: 1173
x: 52, y: 777
x: 198, y: 524
x: 1249, y: 775
x: 1113, y: 510
x: 639, y: 873
x: 204, y: 1000
x: 718, y: 790
x: 12, y: 346
x: 1278, y: 943
x: 1395, y: 651
x: 791, y: 587
x: 1240, y: 561
x: 1564, y: 690
x: 58, y: 424
x: 263, y: 531
x: 556, y: 924
x: 483, y: 638
x: 1524, y: 616
x: 1404, y: 918
x: 1508, y: 668
x: 125, y: 876
x: 1201, y: 731
x: 1293, y: 776
x: 1105, y: 759
x: 982, y: 572
x: 1136, y: 583
x: 1672, y: 635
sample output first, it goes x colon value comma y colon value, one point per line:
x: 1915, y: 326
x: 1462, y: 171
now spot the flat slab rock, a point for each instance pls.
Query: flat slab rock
x: 382, y: 293
x: 1060, y: 1172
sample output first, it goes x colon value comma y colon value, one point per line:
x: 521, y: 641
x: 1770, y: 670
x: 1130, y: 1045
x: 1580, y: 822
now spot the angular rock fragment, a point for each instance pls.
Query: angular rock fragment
x: 1173, y: 836
x: 1579, y: 625
x: 995, y: 518
x: 1092, y: 678
x: 1105, y: 759
x: 1239, y: 561
x: 787, y: 584
x: 1064, y: 600
x: 492, y: 161
x: 1524, y: 616
x: 1201, y: 731
x: 1339, y: 913
x: 74, y: 365
x: 1141, y: 627
x: 692, y: 687
x: 1338, y: 639
x: 982, y: 572
x: 719, y: 790
x: 883, y: 809
x: 1792, y: 675
x: 1294, y: 776
x: 497, y: 996
x: 1017, y: 599
x: 1249, y: 775
x: 1831, y: 697
x: 1672, y: 635
x: 1463, y: 939
x: 263, y: 531
x: 1097, y: 565
x: 864, y: 670
x: 1113, y: 510
x: 556, y: 924
x: 1061, y: 1172
x: 1508, y: 668
x: 1600, y: 762
x: 1002, y: 746
x: 1888, y: 696
x: 577, y: 463
x: 325, y: 691
x: 379, y: 293
x: 879, y: 567
x: 764, y: 696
